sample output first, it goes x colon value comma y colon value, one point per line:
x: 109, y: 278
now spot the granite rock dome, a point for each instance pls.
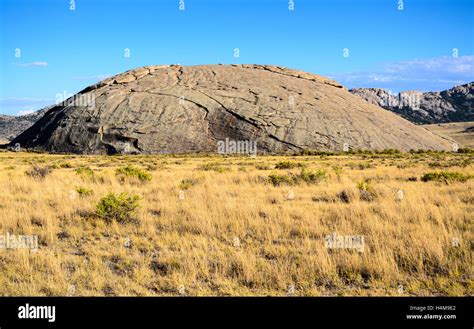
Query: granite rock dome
x: 178, y: 109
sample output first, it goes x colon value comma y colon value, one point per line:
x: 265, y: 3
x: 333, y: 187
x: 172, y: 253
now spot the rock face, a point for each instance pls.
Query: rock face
x: 453, y: 105
x: 12, y: 126
x: 176, y: 109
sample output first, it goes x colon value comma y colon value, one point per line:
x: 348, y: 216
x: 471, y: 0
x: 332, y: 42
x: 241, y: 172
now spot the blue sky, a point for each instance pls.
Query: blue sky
x: 63, y: 50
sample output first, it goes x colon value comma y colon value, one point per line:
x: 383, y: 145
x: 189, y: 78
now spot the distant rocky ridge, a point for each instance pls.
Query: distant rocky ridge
x: 11, y: 126
x: 453, y: 105
x: 177, y: 109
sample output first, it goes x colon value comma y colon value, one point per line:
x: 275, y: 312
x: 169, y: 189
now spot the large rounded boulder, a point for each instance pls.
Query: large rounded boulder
x: 178, y: 109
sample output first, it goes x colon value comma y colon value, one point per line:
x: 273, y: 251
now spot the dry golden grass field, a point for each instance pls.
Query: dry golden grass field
x: 210, y: 225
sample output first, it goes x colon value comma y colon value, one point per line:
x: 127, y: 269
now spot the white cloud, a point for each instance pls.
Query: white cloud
x: 25, y: 112
x: 418, y: 74
x: 24, y: 101
x: 98, y: 77
x: 438, y: 66
x: 21, y: 106
x: 33, y: 64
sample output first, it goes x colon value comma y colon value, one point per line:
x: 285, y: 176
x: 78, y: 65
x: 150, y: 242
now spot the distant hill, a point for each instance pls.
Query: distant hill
x: 12, y: 126
x: 461, y: 132
x: 453, y: 105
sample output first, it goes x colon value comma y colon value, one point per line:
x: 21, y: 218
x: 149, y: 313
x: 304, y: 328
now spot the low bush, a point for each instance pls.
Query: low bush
x: 367, y: 192
x: 262, y: 167
x: 364, y: 185
x: 119, y: 208
x: 277, y: 180
x: 133, y: 172
x: 288, y: 165
x: 187, y: 183
x: 38, y: 172
x: 84, y: 192
x: 213, y: 167
x: 85, y: 172
x: 466, y: 150
x: 346, y: 196
x: 310, y: 177
x: 446, y: 177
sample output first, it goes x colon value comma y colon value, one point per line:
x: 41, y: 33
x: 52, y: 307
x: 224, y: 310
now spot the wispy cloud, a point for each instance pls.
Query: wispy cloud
x: 24, y: 101
x: 463, y: 66
x: 24, y: 105
x: 418, y: 74
x: 98, y: 77
x: 25, y: 112
x: 33, y: 64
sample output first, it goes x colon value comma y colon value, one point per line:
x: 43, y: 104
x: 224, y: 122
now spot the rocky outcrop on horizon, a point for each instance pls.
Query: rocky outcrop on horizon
x: 11, y: 126
x: 177, y: 109
x: 452, y: 105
